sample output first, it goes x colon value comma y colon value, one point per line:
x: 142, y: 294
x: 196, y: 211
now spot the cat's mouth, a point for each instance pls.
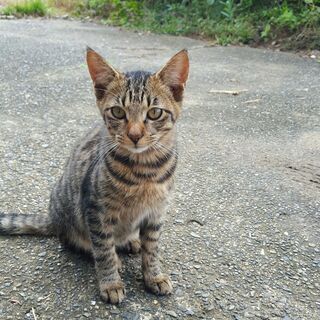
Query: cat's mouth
x: 137, y: 149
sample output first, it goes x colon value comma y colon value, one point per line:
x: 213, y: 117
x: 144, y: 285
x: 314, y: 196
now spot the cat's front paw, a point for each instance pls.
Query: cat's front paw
x: 112, y: 292
x: 160, y: 284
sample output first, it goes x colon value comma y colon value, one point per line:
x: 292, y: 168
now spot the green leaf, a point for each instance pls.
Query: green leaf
x: 265, y: 33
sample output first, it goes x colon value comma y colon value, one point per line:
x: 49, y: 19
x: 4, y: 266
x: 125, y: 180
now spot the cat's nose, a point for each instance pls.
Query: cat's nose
x: 135, y: 136
x: 135, y: 132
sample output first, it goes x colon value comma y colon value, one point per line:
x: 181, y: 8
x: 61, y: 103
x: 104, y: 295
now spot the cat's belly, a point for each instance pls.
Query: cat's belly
x: 122, y: 236
x: 129, y: 226
x: 145, y: 204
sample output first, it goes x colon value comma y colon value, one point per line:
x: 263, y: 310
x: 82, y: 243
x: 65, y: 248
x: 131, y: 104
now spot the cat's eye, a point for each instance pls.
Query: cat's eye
x: 154, y: 113
x: 118, y: 112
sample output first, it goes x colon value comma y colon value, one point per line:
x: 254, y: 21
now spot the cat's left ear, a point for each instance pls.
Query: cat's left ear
x: 175, y: 74
x: 102, y: 74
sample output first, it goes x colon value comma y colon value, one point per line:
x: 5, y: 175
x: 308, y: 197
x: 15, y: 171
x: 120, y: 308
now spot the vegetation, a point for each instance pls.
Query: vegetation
x: 227, y: 21
x: 28, y: 7
x: 293, y: 23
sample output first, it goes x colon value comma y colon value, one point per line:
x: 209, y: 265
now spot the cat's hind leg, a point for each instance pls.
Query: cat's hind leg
x: 132, y: 245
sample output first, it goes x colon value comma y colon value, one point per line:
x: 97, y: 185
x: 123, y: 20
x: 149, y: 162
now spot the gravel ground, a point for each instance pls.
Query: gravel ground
x: 241, y: 240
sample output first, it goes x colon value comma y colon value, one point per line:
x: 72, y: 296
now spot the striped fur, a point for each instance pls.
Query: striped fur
x: 116, y: 183
x: 14, y: 224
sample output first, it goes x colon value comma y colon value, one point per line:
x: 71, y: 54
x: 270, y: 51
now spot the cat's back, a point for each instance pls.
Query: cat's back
x: 83, y: 158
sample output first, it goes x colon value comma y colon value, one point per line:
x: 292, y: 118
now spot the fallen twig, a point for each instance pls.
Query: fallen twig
x: 33, y: 314
x: 196, y: 221
x: 14, y: 301
x: 233, y: 92
x: 252, y: 101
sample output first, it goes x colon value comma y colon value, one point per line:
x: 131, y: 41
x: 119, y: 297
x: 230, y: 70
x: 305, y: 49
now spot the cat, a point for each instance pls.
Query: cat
x: 116, y: 183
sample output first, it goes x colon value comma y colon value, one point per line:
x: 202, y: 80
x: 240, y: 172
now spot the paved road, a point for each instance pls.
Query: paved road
x: 242, y: 237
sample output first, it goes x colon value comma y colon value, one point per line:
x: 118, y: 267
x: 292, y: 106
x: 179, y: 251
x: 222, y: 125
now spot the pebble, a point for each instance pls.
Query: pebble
x: 172, y: 314
x: 195, y: 235
x: 248, y: 315
x: 114, y: 311
x: 189, y: 312
x: 130, y: 316
x: 179, y: 293
x: 210, y: 307
x: 42, y: 254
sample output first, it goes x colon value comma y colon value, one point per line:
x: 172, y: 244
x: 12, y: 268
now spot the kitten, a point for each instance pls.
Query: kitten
x: 115, y: 185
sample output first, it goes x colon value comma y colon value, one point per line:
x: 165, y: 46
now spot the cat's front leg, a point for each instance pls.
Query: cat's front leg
x: 106, y: 259
x: 155, y: 281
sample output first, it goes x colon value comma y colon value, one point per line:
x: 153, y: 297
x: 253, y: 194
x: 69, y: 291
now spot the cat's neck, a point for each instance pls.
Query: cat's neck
x: 160, y: 152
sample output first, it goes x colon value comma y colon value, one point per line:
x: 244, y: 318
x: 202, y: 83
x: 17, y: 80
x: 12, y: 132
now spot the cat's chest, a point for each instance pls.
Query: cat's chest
x: 146, y: 202
x: 145, y: 197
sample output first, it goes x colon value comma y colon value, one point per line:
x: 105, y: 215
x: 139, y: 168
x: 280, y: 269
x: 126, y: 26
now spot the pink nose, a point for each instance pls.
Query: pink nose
x: 135, y: 132
x: 135, y: 136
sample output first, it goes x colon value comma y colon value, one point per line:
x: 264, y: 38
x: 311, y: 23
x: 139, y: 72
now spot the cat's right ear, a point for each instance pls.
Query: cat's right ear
x: 102, y: 74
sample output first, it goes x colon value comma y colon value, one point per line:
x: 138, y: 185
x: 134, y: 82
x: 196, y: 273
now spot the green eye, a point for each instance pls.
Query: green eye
x: 118, y: 112
x: 154, y: 113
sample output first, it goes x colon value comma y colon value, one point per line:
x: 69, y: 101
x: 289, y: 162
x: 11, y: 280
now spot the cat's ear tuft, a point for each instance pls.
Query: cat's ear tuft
x: 102, y: 74
x: 175, y: 74
x: 89, y: 49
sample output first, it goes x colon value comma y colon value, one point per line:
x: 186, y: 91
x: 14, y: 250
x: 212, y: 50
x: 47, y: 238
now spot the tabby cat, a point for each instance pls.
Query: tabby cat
x: 116, y: 184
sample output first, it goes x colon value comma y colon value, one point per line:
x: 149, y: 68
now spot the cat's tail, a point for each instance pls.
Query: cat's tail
x: 29, y: 224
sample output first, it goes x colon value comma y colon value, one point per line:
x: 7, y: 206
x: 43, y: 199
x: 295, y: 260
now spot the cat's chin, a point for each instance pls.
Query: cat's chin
x: 138, y: 149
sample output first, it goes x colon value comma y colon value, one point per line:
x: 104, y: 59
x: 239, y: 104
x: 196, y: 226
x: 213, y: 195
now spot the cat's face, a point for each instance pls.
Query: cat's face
x: 139, y: 108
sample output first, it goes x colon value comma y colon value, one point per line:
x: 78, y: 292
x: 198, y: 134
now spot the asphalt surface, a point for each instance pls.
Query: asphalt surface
x: 241, y: 239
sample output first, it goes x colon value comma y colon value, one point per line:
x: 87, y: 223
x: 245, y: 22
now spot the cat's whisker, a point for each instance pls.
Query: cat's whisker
x: 162, y: 153
x: 166, y: 151
x: 107, y: 148
x: 185, y: 151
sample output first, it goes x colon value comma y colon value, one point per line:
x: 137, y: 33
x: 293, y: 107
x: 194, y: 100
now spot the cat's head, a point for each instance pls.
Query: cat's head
x: 139, y: 108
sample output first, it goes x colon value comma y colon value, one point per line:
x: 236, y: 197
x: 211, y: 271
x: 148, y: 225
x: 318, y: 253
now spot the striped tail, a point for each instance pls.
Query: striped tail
x: 14, y: 224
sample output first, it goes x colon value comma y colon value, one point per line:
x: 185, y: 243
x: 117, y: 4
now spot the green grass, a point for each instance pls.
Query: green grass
x: 293, y: 24
x: 28, y: 7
